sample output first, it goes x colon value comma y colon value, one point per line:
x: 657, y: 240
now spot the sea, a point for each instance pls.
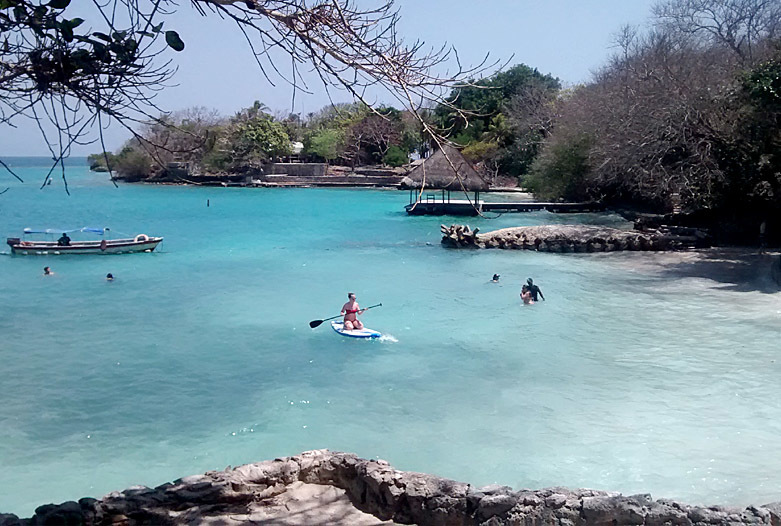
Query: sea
x: 639, y: 373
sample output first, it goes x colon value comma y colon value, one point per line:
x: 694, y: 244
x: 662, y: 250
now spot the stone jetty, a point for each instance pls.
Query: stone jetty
x: 569, y: 238
x: 323, y: 487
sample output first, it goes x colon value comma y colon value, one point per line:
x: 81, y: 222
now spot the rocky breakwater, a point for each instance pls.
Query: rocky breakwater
x: 565, y: 238
x: 321, y: 487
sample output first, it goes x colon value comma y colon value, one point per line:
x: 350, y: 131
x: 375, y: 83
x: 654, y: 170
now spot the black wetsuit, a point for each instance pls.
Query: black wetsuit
x: 535, y: 290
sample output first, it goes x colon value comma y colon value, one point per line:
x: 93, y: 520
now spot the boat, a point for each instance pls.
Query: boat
x: 364, y: 333
x: 23, y: 246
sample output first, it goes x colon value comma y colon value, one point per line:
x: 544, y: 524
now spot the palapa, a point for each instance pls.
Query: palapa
x: 439, y: 173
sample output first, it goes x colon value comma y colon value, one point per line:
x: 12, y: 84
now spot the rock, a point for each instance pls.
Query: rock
x: 493, y: 505
x: 66, y: 514
x: 9, y: 519
x: 248, y: 493
x: 556, y: 501
x: 557, y: 239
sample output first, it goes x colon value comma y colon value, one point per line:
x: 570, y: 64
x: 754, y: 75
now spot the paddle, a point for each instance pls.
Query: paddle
x: 316, y: 323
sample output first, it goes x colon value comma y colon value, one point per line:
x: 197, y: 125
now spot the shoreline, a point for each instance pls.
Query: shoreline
x: 342, y: 489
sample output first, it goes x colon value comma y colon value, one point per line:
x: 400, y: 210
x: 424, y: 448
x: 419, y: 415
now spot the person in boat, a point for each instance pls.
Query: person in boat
x: 47, y: 271
x: 526, y: 295
x: 534, y: 290
x: 109, y: 277
x: 351, y: 311
x: 64, y: 240
x: 495, y: 279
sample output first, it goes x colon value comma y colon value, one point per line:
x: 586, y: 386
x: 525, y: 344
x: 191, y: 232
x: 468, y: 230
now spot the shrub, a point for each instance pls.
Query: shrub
x: 395, y: 157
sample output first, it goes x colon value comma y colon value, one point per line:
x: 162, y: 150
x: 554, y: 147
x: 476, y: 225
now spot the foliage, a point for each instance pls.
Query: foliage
x: 369, y: 138
x: 561, y: 171
x: 395, y: 156
x: 97, y: 161
x: 259, y: 139
x: 480, y: 151
x: 476, y: 106
x: 487, y: 113
x: 326, y: 143
x: 763, y: 84
x: 133, y: 163
x: 677, y: 114
x: 350, y: 134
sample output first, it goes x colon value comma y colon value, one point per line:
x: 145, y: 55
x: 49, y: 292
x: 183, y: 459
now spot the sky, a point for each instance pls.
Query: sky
x: 566, y: 38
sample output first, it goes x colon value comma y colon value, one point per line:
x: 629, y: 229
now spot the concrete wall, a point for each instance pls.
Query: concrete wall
x: 297, y: 169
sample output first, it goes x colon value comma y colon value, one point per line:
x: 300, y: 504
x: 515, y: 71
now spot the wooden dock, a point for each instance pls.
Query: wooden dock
x: 462, y: 207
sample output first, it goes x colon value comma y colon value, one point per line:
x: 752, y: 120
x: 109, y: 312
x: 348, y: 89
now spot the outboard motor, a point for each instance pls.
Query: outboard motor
x: 11, y: 241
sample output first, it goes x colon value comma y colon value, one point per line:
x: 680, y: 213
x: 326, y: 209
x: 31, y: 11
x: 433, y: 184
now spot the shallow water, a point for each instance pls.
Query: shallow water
x: 639, y: 374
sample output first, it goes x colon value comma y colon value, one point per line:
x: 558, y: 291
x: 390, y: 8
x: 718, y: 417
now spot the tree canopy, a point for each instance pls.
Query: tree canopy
x: 686, y: 113
x: 352, y: 135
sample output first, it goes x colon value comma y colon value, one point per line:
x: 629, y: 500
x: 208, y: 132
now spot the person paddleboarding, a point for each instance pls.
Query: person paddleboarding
x: 351, y: 311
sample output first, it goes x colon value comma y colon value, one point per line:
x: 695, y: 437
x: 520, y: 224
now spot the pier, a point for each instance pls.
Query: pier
x: 431, y: 182
x: 435, y: 205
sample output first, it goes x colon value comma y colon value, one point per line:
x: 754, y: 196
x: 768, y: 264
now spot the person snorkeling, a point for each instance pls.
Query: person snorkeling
x: 495, y: 279
x: 534, y: 290
x: 47, y: 271
x: 109, y: 277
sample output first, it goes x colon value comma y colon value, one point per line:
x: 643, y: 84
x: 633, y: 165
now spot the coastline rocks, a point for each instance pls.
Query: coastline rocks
x: 561, y: 239
x: 322, y: 487
x: 459, y: 236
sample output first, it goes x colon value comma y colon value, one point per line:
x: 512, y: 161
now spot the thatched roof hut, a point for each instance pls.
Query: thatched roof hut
x: 439, y: 173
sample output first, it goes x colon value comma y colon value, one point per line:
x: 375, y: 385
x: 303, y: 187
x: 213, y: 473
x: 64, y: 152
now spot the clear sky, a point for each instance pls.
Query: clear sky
x: 567, y: 38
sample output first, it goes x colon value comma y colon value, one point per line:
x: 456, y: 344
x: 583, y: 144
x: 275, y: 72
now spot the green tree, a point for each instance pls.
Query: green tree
x: 97, y: 161
x: 395, y: 157
x: 325, y: 144
x: 259, y: 139
x: 474, y: 107
x: 561, y: 171
x: 132, y: 163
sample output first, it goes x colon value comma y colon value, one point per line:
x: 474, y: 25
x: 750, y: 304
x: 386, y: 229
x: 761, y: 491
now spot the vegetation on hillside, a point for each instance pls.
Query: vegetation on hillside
x: 348, y: 134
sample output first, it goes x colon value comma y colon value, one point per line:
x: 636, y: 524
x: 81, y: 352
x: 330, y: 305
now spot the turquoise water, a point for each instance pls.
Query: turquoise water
x: 638, y: 374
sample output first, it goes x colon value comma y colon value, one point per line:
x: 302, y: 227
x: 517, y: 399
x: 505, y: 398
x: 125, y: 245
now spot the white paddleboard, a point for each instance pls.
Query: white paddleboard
x: 338, y: 326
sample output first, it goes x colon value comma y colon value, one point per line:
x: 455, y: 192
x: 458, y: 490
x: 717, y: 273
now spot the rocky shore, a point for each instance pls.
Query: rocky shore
x: 322, y: 487
x: 571, y: 238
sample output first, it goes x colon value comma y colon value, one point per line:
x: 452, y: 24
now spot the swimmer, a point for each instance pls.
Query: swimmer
x: 47, y: 271
x: 526, y: 295
x: 534, y: 290
x: 495, y: 279
x: 109, y: 277
x: 350, y: 311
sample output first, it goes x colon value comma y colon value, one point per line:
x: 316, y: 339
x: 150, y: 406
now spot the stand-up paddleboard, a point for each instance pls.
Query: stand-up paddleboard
x: 338, y: 326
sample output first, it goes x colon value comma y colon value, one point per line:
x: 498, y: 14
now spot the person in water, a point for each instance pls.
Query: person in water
x: 495, y: 279
x: 64, y: 240
x: 47, y: 271
x: 534, y: 290
x: 351, y: 311
x: 526, y: 295
x: 109, y: 277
